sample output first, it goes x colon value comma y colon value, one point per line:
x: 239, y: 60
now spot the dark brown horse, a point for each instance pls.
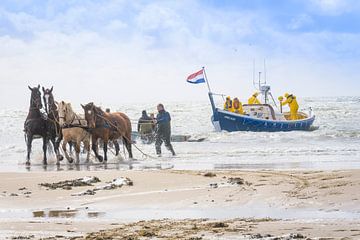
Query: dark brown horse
x: 37, y: 125
x: 54, y: 130
x: 107, y: 126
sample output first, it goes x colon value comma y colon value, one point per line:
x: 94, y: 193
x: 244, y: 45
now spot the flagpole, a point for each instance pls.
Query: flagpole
x: 215, y: 115
x: 206, y: 79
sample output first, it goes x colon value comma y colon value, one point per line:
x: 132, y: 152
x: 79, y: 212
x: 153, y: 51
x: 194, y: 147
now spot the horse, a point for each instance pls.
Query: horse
x: 54, y: 130
x: 35, y: 124
x: 107, y: 126
x: 73, y: 130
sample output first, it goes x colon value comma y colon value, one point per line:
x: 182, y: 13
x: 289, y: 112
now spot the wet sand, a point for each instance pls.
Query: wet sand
x: 181, y: 205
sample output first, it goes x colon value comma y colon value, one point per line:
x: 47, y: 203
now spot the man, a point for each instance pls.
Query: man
x: 228, y: 105
x: 253, y: 99
x: 163, y: 130
x: 293, y: 105
x: 145, y: 127
x: 238, y: 107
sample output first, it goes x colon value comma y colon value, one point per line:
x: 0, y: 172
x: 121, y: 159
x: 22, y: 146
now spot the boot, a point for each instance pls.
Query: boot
x: 172, y: 150
x: 158, y: 150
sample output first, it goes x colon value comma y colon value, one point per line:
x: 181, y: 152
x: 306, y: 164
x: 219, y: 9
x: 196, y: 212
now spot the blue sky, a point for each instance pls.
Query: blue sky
x: 143, y: 50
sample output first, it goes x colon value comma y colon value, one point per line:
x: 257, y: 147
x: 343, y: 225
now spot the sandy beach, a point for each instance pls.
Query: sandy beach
x: 181, y: 205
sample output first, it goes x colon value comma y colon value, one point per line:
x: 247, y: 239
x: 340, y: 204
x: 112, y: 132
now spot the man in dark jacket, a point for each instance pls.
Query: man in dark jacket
x: 145, y: 123
x: 163, y: 130
x: 146, y: 127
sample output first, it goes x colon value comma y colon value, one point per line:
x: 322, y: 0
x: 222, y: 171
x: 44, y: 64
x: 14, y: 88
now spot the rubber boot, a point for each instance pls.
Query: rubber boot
x: 158, y: 150
x: 172, y: 150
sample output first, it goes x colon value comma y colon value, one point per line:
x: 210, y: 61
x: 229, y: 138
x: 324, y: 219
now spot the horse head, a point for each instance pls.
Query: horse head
x: 65, y: 113
x: 90, y: 112
x: 35, y: 100
x: 48, y: 98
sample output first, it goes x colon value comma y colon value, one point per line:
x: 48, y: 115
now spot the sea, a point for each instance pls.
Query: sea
x: 333, y: 143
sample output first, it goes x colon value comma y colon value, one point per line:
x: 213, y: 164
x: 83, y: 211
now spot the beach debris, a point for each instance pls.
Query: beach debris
x: 23, y: 237
x: 69, y: 184
x: 146, y: 233
x: 219, y: 225
x: 194, y: 229
x: 87, y: 192
x: 209, y: 174
x: 214, y: 185
x: 116, y: 183
x: 236, y: 180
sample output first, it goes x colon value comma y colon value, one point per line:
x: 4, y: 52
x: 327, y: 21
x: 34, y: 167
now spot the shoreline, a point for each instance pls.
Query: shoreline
x: 298, y: 200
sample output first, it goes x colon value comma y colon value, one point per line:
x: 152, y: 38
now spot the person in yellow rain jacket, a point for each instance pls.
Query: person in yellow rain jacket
x: 237, y: 106
x: 228, y: 105
x: 293, y: 105
x: 253, y: 99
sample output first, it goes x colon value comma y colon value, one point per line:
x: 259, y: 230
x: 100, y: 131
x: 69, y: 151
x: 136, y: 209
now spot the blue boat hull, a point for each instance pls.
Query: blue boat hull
x: 231, y: 122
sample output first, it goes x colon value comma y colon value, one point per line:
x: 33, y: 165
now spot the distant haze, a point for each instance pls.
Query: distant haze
x: 142, y: 51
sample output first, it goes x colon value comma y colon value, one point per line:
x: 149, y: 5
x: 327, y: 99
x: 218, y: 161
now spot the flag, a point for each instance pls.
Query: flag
x: 197, y: 77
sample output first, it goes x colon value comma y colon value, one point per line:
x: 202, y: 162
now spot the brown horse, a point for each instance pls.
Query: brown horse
x: 107, y: 126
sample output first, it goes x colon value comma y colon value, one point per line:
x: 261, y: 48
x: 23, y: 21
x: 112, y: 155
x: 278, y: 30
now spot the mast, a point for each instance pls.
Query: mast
x: 264, y: 71
x: 206, y: 79
x: 210, y: 96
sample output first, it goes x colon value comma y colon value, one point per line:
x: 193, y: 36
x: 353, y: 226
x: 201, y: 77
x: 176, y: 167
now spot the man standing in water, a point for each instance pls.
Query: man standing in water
x: 163, y: 130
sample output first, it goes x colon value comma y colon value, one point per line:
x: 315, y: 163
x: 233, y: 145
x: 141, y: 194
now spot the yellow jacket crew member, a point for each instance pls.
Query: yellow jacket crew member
x: 228, y: 105
x: 293, y: 105
x: 253, y: 99
x: 237, y: 106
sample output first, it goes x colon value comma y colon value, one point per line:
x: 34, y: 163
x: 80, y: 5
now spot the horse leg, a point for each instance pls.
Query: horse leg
x: 87, y: 147
x: 127, y: 142
x: 57, y: 143
x: 29, y: 142
x: 77, y: 151
x: 56, y: 150
x: 117, y: 147
x: 105, y: 149
x: 95, y: 149
x: 65, y: 142
x: 45, y: 142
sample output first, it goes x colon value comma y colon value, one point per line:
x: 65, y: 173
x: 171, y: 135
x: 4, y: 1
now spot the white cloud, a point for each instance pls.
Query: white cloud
x: 300, y: 21
x: 335, y: 7
x: 149, y: 56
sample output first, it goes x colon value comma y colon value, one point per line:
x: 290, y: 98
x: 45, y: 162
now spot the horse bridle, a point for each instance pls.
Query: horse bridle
x: 35, y: 103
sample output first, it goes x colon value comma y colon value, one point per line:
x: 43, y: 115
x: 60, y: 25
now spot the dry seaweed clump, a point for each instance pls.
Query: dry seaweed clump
x: 236, y: 181
x: 167, y: 229
x: 69, y: 184
x: 209, y: 174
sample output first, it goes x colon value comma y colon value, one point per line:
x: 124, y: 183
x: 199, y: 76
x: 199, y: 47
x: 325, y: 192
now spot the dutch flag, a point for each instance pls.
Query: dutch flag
x: 197, y: 77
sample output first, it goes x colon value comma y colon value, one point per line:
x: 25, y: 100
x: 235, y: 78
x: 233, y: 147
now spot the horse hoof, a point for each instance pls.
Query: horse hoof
x: 71, y: 160
x: 57, y: 163
x: 61, y: 157
x: 27, y: 163
x: 100, y: 158
x: 44, y: 162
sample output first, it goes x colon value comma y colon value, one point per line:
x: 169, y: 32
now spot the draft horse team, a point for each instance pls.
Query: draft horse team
x: 60, y: 123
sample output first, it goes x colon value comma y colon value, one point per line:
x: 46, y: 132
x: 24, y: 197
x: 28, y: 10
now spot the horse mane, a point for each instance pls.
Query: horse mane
x: 98, y: 110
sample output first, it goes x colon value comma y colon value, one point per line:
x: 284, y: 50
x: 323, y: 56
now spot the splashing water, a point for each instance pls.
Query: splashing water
x: 335, y: 145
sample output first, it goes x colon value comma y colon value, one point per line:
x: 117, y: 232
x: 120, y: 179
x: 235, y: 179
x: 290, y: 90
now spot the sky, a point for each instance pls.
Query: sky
x: 142, y: 51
